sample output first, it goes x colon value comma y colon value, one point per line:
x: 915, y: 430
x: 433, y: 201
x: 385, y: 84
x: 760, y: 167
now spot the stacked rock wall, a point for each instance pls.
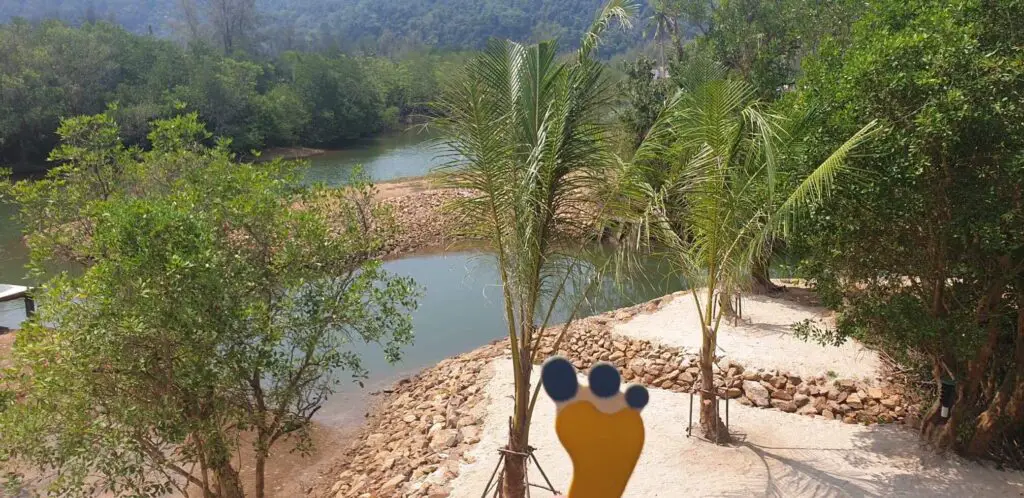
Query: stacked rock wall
x: 422, y: 432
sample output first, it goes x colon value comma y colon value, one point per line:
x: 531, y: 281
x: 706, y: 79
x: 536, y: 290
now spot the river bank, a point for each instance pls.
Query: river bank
x: 426, y: 432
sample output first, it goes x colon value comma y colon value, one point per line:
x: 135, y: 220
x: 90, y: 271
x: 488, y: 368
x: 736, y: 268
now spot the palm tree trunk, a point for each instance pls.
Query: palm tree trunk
x: 513, y: 482
x: 762, y: 279
x: 710, y: 423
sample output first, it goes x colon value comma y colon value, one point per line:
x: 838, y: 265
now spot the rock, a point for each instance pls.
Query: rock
x: 833, y: 393
x: 733, y: 392
x: 875, y: 393
x: 820, y: 403
x: 801, y: 400
x: 687, y: 377
x: 444, y: 438
x: 750, y: 375
x: 849, y: 419
x: 470, y: 434
x: 891, y: 402
x: 786, y: 406
x: 410, y: 418
x: 848, y: 385
x: 782, y: 395
x: 466, y: 420
x: 376, y: 439
x: 767, y: 376
x: 854, y: 401
x: 393, y: 482
x: 827, y: 414
x: 756, y: 393
x: 685, y: 364
x: 668, y: 377
x: 744, y: 401
x: 778, y: 382
x: 807, y: 410
x: 636, y: 366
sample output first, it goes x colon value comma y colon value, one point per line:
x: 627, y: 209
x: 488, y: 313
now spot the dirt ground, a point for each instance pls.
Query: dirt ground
x: 289, y: 473
x: 6, y: 343
x: 776, y: 454
x: 763, y: 337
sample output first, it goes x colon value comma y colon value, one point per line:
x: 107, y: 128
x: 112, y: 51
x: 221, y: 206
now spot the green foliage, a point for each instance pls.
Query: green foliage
x: 716, y: 194
x: 216, y: 298
x: 762, y: 42
x: 933, y: 241
x: 50, y: 71
x: 528, y: 141
x: 386, y: 27
x: 645, y: 99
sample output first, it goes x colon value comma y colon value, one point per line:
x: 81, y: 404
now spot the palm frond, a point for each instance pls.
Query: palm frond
x: 816, y: 186
x: 623, y: 11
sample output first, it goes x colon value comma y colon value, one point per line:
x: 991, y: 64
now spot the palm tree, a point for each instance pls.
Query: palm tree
x: 527, y: 138
x: 723, y: 198
x: 665, y: 22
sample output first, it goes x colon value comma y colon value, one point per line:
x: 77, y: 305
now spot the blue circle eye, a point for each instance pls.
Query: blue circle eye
x: 637, y: 396
x: 559, y: 379
x: 604, y: 380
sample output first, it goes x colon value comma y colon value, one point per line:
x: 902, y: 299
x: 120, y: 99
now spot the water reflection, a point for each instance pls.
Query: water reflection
x: 461, y: 309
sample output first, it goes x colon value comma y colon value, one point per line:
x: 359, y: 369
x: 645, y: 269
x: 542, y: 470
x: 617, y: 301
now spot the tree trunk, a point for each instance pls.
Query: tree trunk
x: 513, y: 481
x: 725, y: 304
x: 228, y: 483
x: 1005, y: 409
x: 261, y: 470
x: 762, y: 279
x: 710, y: 423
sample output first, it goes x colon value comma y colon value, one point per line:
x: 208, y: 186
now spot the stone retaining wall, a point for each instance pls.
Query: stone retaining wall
x: 423, y: 430
x: 659, y: 366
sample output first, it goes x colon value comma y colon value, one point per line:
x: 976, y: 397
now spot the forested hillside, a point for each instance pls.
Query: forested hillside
x: 372, y: 25
x: 50, y: 71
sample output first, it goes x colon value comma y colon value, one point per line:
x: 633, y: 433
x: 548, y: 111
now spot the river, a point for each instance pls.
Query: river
x: 459, y: 308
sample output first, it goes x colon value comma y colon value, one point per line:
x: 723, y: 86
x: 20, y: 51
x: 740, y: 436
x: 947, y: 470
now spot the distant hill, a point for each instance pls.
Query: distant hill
x: 369, y: 24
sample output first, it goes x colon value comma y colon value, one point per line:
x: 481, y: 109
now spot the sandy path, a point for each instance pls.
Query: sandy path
x: 779, y: 454
x: 763, y: 339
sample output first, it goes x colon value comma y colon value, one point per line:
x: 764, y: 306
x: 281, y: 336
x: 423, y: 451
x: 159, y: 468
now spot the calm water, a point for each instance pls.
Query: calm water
x: 382, y: 158
x: 461, y: 310
x: 387, y: 157
x: 460, y: 306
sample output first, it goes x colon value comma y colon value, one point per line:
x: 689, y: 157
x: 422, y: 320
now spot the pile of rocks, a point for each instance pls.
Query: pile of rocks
x: 664, y: 367
x: 421, y: 221
x: 421, y: 433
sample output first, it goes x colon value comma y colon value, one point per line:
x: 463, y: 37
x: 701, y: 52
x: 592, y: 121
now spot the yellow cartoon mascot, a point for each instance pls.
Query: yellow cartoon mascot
x: 599, y: 426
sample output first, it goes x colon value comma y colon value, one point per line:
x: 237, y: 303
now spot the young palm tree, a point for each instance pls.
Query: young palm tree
x: 722, y: 198
x: 527, y: 138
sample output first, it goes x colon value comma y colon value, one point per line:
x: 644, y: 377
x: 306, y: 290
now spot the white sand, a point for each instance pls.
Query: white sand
x: 779, y: 454
x: 763, y: 339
